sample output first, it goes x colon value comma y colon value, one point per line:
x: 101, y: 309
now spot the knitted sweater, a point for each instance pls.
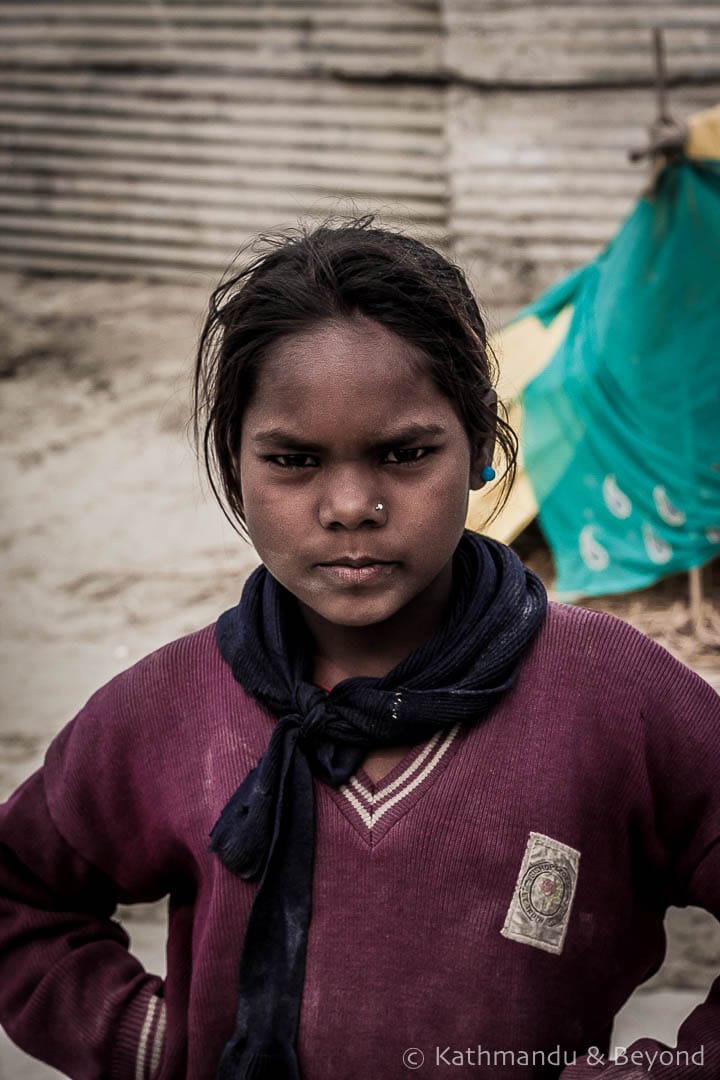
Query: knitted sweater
x: 500, y: 892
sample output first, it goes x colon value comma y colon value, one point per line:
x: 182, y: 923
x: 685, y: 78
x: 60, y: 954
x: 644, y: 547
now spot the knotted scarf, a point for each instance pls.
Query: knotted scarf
x: 266, y: 831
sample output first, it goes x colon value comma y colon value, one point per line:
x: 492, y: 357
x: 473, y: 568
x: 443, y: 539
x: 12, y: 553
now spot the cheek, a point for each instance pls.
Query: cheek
x: 449, y: 488
x: 257, y: 505
x: 269, y: 540
x: 272, y: 515
x: 253, y: 481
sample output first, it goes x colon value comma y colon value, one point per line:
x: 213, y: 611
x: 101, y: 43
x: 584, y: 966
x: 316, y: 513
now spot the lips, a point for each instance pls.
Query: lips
x: 362, y: 570
x: 360, y: 560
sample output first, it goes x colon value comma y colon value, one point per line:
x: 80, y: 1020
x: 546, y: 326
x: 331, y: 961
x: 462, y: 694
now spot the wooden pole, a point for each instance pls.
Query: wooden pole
x: 696, y: 599
x: 703, y: 623
x: 663, y: 116
x: 666, y: 136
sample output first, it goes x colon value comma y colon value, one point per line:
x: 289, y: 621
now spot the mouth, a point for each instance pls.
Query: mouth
x: 357, y: 571
x: 358, y: 561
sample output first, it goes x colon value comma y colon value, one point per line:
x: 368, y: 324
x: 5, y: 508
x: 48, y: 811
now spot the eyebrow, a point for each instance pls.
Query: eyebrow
x: 409, y: 433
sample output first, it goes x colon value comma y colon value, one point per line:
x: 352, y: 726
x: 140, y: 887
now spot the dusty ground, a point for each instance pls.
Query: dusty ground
x: 111, y: 546
x: 663, y: 612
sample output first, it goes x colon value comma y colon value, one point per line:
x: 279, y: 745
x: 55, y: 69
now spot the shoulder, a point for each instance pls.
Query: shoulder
x: 598, y: 641
x: 624, y: 712
x: 150, y: 716
x: 570, y: 623
x: 172, y: 676
x: 575, y: 639
x: 169, y: 668
x: 156, y: 739
x: 600, y: 655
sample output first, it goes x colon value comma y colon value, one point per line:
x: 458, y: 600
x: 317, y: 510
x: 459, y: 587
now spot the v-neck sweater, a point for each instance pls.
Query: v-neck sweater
x: 500, y: 891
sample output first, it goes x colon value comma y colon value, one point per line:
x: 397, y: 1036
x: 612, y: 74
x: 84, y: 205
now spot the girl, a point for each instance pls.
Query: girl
x: 446, y: 817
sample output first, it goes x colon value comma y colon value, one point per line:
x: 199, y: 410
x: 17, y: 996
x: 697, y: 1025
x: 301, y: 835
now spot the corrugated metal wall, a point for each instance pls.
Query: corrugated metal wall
x: 539, y: 182
x: 550, y: 96
x: 578, y: 42
x: 157, y: 137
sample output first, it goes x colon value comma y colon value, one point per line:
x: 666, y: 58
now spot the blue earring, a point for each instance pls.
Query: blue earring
x: 488, y: 473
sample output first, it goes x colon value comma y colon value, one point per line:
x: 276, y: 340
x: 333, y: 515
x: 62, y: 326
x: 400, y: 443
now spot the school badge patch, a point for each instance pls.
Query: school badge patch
x: 540, y: 908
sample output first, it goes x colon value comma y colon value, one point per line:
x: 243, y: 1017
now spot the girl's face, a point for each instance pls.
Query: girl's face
x: 344, y: 416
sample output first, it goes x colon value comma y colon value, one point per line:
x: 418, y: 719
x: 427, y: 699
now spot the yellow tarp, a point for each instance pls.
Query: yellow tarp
x: 704, y: 137
x: 522, y: 349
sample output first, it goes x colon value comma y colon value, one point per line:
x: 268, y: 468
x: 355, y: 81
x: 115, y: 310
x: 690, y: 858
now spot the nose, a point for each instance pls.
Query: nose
x: 348, y: 499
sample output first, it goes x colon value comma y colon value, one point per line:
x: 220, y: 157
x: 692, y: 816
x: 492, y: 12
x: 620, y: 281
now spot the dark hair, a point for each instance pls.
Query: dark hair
x: 300, y: 279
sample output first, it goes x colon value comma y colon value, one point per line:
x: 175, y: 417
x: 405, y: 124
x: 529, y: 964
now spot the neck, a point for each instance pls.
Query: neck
x: 344, y: 651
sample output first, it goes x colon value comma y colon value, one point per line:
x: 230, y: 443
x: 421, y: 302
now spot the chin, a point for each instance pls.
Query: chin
x: 355, y: 612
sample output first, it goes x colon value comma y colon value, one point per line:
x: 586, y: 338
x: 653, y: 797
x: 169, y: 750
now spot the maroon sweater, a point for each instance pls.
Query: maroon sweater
x: 500, y: 892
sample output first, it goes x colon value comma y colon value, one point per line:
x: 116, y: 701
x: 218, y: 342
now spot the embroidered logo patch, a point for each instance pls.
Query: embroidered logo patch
x: 540, y: 908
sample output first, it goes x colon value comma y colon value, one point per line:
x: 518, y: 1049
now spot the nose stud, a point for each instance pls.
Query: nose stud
x: 379, y: 506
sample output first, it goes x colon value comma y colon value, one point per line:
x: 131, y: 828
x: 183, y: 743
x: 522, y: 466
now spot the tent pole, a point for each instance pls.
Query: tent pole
x: 666, y: 136
x: 696, y: 600
x: 663, y: 116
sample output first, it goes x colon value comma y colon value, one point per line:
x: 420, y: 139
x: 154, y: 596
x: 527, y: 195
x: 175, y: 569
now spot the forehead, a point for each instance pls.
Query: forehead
x: 356, y: 369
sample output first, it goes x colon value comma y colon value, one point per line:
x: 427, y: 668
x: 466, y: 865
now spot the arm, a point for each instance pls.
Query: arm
x: 698, y: 1045
x: 70, y: 992
x: 682, y: 753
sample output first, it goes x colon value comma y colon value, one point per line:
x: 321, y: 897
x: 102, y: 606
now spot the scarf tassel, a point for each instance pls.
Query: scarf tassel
x: 240, y: 835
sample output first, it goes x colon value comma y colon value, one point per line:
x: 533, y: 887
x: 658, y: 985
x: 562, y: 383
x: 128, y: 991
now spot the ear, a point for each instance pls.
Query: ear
x: 483, y: 450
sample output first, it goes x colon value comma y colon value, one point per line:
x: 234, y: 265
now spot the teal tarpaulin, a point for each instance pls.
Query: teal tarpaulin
x: 622, y: 428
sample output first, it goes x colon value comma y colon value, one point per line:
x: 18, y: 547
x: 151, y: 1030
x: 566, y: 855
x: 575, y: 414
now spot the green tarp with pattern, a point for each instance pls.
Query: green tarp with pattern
x: 621, y: 430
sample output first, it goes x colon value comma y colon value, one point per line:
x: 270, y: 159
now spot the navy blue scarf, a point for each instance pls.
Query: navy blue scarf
x: 266, y: 831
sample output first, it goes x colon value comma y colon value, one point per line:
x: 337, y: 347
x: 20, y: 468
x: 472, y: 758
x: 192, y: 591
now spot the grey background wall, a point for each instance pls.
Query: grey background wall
x: 155, y: 137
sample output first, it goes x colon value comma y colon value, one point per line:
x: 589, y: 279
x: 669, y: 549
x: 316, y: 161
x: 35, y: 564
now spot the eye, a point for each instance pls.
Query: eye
x: 408, y: 455
x: 292, y: 461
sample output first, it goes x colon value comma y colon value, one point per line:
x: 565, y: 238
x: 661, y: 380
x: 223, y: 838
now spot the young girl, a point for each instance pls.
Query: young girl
x: 412, y: 819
